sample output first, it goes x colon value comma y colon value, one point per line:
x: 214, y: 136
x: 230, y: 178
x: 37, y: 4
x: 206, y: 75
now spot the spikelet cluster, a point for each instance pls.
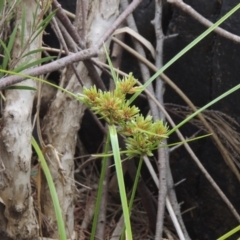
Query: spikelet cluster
x: 142, y: 135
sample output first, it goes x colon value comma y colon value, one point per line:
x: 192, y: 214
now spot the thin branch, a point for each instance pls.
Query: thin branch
x: 116, y: 56
x: 76, y: 37
x: 197, y: 161
x: 194, y: 14
x: 173, y: 200
x: 81, y: 17
x: 140, y: 55
x: 164, y: 77
x: 154, y: 110
x: 72, y: 45
x: 50, y: 67
x: 80, y: 56
x: 144, y: 70
x: 122, y: 17
x: 67, y: 23
x: 61, y: 39
x: 163, y: 154
x: 118, y: 229
x: 104, y: 199
x: 162, y: 190
x: 168, y: 204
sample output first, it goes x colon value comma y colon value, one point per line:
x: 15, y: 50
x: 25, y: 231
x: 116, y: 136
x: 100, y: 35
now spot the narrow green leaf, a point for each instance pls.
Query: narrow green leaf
x: 34, y: 18
x: 46, y: 20
x: 37, y: 33
x: 18, y: 87
x: 6, y: 55
x: 121, y: 184
x: 34, y: 63
x: 230, y: 233
x: 134, y: 190
x: 110, y: 65
x: 32, y: 52
x: 186, y: 141
x: 12, y: 39
x: 76, y: 96
x: 23, y: 26
x: 186, y: 49
x: 2, y: 3
x: 204, y: 107
x: 100, y: 188
x: 52, y: 189
x: 41, y: 27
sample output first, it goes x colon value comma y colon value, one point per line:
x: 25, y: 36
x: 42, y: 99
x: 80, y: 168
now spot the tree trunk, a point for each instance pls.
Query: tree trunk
x: 18, y: 218
x: 62, y: 122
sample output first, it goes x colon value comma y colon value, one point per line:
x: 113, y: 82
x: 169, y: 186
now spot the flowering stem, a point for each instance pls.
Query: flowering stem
x: 121, y: 184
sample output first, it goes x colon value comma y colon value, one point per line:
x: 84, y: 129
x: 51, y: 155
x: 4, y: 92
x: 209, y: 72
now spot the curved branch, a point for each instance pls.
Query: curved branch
x: 83, y: 55
x: 194, y: 14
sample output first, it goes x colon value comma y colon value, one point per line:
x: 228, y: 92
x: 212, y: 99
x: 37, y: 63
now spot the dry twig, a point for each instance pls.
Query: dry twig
x: 80, y: 56
x: 194, y: 14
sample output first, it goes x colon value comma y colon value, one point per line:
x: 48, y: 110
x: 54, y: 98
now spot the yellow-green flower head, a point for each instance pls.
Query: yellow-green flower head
x: 91, y: 95
x: 128, y: 112
x: 109, y: 107
x: 142, y: 134
x: 138, y: 144
x: 159, y: 129
x: 126, y: 85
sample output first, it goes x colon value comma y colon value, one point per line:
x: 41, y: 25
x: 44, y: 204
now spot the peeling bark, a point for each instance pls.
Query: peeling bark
x: 17, y: 215
x: 62, y: 121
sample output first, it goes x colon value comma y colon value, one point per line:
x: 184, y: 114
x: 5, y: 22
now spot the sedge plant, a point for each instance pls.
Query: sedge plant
x: 142, y: 135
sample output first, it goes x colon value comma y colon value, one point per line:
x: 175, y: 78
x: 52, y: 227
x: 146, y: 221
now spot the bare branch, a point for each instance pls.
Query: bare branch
x: 66, y: 22
x: 163, y: 154
x: 80, y: 56
x: 194, y: 14
x: 50, y: 67
x: 144, y: 70
x: 198, y: 162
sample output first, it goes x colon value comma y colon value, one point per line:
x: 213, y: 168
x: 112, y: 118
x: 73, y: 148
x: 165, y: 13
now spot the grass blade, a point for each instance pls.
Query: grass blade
x: 34, y: 63
x: 204, y: 107
x: 12, y: 39
x: 6, y: 55
x: 33, y: 51
x: 100, y: 188
x: 134, y: 189
x: 2, y: 3
x: 115, y: 79
x: 18, y: 87
x: 52, y: 189
x: 186, y: 49
x: 23, y: 27
x: 230, y: 233
x: 121, y: 184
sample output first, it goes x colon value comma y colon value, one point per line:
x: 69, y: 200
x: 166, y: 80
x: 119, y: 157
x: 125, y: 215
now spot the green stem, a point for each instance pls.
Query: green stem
x: 186, y: 49
x: 233, y: 231
x: 100, y: 188
x: 204, y: 107
x: 134, y: 190
x: 52, y: 189
x: 121, y: 184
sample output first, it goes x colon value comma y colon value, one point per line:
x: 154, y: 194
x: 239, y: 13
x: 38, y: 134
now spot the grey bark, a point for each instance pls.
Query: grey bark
x: 62, y: 121
x: 18, y: 219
